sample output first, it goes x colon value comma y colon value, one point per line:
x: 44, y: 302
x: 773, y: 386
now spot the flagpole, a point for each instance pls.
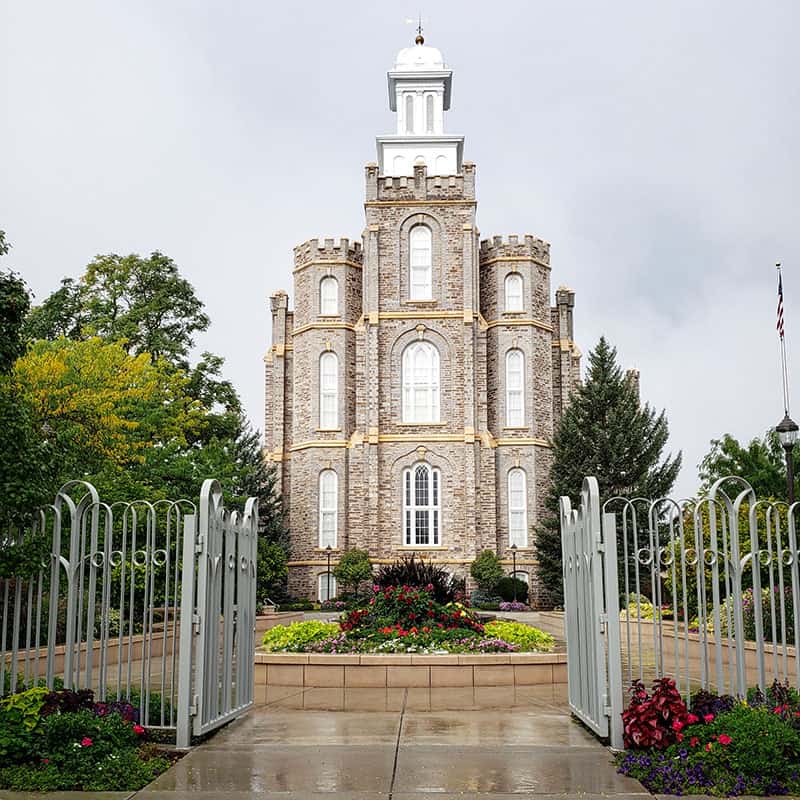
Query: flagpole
x: 784, y: 369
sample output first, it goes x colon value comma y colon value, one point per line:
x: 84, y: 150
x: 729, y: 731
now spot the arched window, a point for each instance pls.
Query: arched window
x: 409, y: 113
x: 420, y: 378
x: 328, y: 508
x: 522, y: 576
x: 515, y: 389
x: 422, y: 506
x: 429, y: 113
x: 399, y: 167
x: 329, y: 391
x: 329, y: 296
x: 514, y: 292
x: 326, y: 587
x: 517, y: 508
x: 420, y: 242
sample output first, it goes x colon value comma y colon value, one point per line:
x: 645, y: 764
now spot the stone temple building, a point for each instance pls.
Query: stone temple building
x: 412, y: 392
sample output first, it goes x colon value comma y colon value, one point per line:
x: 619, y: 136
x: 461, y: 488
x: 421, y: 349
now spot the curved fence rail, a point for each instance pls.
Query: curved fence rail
x: 103, y: 608
x: 709, y: 592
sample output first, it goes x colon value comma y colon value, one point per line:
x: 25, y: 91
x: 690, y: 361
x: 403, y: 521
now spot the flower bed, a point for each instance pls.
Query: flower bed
x: 717, y: 746
x: 404, y: 619
x: 63, y: 740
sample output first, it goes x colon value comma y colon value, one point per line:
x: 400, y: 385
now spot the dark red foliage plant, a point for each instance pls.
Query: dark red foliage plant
x: 654, y: 720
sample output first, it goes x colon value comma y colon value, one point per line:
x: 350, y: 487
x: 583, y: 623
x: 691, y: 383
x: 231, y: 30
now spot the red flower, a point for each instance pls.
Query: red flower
x: 86, y: 742
x: 777, y: 710
x: 679, y: 737
x: 691, y: 719
x: 677, y: 725
x: 138, y: 730
x: 724, y: 738
x: 708, y: 747
x: 708, y: 718
x: 693, y: 741
x: 45, y: 761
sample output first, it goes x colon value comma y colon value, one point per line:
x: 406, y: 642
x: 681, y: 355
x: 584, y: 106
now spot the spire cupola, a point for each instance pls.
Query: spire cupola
x: 419, y: 94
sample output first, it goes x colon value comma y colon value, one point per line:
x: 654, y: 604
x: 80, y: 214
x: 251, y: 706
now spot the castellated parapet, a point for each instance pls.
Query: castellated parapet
x: 315, y: 250
x: 421, y: 186
x: 514, y: 245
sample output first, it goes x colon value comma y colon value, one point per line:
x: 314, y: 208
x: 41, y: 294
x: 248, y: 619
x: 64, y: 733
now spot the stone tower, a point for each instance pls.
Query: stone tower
x: 412, y: 393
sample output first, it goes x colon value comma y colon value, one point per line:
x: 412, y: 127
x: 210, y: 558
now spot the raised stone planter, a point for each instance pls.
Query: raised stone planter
x: 407, y: 671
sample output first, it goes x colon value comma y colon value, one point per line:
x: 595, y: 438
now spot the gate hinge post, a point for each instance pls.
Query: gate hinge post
x: 198, y: 544
x: 193, y: 706
x: 196, y: 622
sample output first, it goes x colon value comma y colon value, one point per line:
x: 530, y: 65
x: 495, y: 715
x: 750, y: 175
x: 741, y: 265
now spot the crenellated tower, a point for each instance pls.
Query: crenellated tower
x: 413, y: 392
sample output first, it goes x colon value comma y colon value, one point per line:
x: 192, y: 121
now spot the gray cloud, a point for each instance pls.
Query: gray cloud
x: 653, y: 145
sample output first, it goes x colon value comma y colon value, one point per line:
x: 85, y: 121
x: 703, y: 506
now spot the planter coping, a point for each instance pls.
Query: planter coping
x: 405, y: 659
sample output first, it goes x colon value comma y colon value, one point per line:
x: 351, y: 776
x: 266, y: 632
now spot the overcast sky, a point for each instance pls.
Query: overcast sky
x: 654, y: 144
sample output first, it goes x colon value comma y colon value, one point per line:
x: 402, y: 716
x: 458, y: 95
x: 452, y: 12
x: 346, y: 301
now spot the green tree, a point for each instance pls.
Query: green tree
x: 487, y: 571
x: 24, y: 452
x: 761, y: 463
x: 61, y: 314
x: 353, y: 569
x: 608, y: 433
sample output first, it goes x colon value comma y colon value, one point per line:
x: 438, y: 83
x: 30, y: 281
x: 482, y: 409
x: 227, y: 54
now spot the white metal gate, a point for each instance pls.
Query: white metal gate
x: 593, y: 665
x: 220, y: 594
x: 151, y: 603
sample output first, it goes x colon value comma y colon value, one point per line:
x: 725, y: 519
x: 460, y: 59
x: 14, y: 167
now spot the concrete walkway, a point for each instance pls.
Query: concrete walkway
x: 531, y: 748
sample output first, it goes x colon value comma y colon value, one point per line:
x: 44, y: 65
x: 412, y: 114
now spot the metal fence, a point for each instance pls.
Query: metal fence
x: 704, y: 591
x: 113, y: 606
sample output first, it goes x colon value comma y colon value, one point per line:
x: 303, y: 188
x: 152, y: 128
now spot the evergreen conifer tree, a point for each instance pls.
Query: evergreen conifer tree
x: 608, y: 433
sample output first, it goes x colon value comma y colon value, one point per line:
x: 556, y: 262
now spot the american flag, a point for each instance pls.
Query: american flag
x: 780, y: 306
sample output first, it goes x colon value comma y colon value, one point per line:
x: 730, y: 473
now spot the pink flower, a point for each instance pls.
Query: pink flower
x: 693, y: 741
x: 708, y: 747
x: 708, y: 718
x: 677, y: 725
x: 724, y: 738
x: 692, y: 718
x: 679, y: 737
x: 138, y: 730
x: 45, y: 761
x: 86, y: 742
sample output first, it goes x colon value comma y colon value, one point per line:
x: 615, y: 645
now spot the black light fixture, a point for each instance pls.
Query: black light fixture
x: 514, y: 573
x: 787, y: 433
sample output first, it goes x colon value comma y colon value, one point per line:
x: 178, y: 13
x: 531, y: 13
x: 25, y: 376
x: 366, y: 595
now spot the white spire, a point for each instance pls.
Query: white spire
x: 419, y: 93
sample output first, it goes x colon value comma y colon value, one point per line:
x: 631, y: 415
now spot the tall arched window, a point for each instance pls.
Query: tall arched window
x: 514, y: 292
x: 422, y: 506
x: 420, y: 242
x: 329, y: 296
x: 327, y: 587
x: 515, y: 389
x: 328, y: 508
x: 409, y: 113
x: 420, y: 378
x: 328, y: 391
x: 517, y: 508
x: 429, y: 114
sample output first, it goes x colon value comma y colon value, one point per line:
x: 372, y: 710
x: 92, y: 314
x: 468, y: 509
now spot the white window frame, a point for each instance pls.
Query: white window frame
x: 329, y: 391
x: 328, y: 508
x: 420, y: 263
x: 421, y: 383
x: 422, y: 506
x: 430, y: 106
x: 514, y: 292
x: 515, y: 388
x: 523, y: 576
x: 409, y: 112
x: 329, y: 586
x: 517, y: 507
x: 329, y: 296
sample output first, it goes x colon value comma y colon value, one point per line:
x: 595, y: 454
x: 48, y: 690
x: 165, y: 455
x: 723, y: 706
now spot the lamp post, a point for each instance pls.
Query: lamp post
x: 787, y: 433
x: 328, y: 573
x: 514, y: 573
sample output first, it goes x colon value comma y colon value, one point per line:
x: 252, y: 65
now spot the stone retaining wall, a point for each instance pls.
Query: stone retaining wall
x: 313, y: 671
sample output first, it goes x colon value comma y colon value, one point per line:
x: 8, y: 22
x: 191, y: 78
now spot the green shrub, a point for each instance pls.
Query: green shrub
x: 412, y: 572
x: 505, y: 588
x: 524, y: 636
x: 292, y: 638
x: 297, y: 605
x: 353, y: 569
x: 487, y: 570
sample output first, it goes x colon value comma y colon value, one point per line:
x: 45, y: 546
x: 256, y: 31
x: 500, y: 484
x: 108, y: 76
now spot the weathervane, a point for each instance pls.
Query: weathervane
x: 410, y: 21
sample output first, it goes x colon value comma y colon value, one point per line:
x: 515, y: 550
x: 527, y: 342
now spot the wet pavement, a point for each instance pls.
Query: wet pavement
x: 530, y: 748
